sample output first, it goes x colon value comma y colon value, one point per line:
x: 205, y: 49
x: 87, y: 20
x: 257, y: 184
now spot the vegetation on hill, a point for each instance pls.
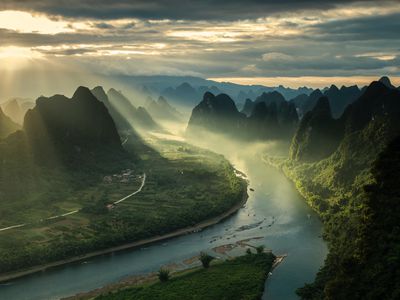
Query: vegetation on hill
x: 317, y: 135
x: 185, y: 182
x: 239, y: 278
x: 355, y: 191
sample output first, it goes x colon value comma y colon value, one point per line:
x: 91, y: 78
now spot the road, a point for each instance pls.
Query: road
x: 78, y: 210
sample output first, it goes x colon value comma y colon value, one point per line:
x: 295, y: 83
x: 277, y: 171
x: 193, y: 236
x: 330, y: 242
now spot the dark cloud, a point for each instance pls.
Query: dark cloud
x: 210, y: 41
x: 169, y: 9
x: 378, y: 27
x: 103, y: 25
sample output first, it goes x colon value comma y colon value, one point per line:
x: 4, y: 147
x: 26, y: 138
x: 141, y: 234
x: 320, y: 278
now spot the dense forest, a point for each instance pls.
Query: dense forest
x: 354, y: 188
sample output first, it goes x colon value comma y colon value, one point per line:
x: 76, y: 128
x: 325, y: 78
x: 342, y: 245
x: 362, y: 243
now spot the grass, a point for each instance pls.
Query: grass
x: 241, y: 278
x: 183, y: 187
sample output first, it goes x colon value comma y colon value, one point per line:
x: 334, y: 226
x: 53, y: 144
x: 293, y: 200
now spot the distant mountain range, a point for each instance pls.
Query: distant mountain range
x: 270, y: 116
x: 188, y: 90
x: 319, y: 134
x: 338, y: 99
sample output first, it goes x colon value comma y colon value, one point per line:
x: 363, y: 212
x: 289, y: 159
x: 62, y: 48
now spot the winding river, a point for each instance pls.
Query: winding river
x: 283, y: 220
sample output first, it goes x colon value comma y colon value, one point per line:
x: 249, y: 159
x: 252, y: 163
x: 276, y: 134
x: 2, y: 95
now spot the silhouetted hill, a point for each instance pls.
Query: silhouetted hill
x: 340, y: 99
x: 267, y: 98
x: 161, y: 109
x: 271, y: 117
x: 184, y: 94
x: 139, y: 118
x: 248, y: 107
x: 120, y: 121
x: 217, y: 114
x: 7, y: 126
x: 16, y: 108
x: 70, y: 128
x: 306, y: 103
x: 274, y: 119
x: 318, y: 134
x: 355, y: 192
x: 386, y: 81
x: 378, y: 102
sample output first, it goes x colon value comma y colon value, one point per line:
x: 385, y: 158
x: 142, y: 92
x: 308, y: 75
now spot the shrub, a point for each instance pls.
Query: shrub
x: 206, y: 259
x: 163, y: 274
x: 260, y: 249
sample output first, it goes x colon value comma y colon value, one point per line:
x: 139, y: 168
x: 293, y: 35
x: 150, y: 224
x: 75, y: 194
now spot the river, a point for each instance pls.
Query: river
x: 284, y: 221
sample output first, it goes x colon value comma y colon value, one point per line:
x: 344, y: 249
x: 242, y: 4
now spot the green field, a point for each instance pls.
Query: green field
x: 184, y: 185
x: 241, y: 278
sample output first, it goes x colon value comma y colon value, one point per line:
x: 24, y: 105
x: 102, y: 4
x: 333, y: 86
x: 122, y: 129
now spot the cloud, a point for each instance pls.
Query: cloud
x: 376, y: 27
x: 170, y: 9
x: 206, y: 38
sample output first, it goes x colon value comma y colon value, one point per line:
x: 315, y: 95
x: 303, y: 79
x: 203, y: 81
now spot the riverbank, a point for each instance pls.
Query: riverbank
x: 150, y: 278
x: 200, y: 226
x: 235, y: 278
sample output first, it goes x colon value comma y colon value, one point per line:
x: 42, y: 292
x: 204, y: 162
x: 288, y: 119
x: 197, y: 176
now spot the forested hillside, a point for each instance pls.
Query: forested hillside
x: 355, y: 191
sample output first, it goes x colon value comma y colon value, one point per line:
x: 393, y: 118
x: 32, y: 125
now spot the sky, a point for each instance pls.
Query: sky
x: 289, y: 42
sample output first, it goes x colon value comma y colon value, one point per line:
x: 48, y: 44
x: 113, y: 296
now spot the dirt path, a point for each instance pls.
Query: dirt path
x: 78, y: 210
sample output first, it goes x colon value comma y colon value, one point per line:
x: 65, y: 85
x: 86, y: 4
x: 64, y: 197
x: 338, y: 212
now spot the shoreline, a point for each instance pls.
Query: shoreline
x: 144, y: 279
x: 179, y: 232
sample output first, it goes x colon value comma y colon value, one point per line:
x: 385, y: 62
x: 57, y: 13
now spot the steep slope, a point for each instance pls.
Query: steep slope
x: 138, y: 117
x: 267, y: 98
x: 161, y: 109
x: 340, y: 99
x: 216, y: 113
x: 7, y: 126
x: 386, y: 81
x: 271, y: 117
x: 355, y: 191
x: 68, y: 129
x: 306, y: 103
x: 272, y: 120
x: 121, y: 123
x: 318, y: 134
x: 184, y: 94
x: 16, y: 108
x: 248, y: 107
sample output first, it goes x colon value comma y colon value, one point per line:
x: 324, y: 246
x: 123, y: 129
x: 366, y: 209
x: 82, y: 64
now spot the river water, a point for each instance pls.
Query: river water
x: 284, y: 223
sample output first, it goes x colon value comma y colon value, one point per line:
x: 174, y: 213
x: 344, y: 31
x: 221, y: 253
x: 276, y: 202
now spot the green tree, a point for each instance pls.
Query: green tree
x: 206, y: 259
x: 260, y: 249
x: 163, y: 274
